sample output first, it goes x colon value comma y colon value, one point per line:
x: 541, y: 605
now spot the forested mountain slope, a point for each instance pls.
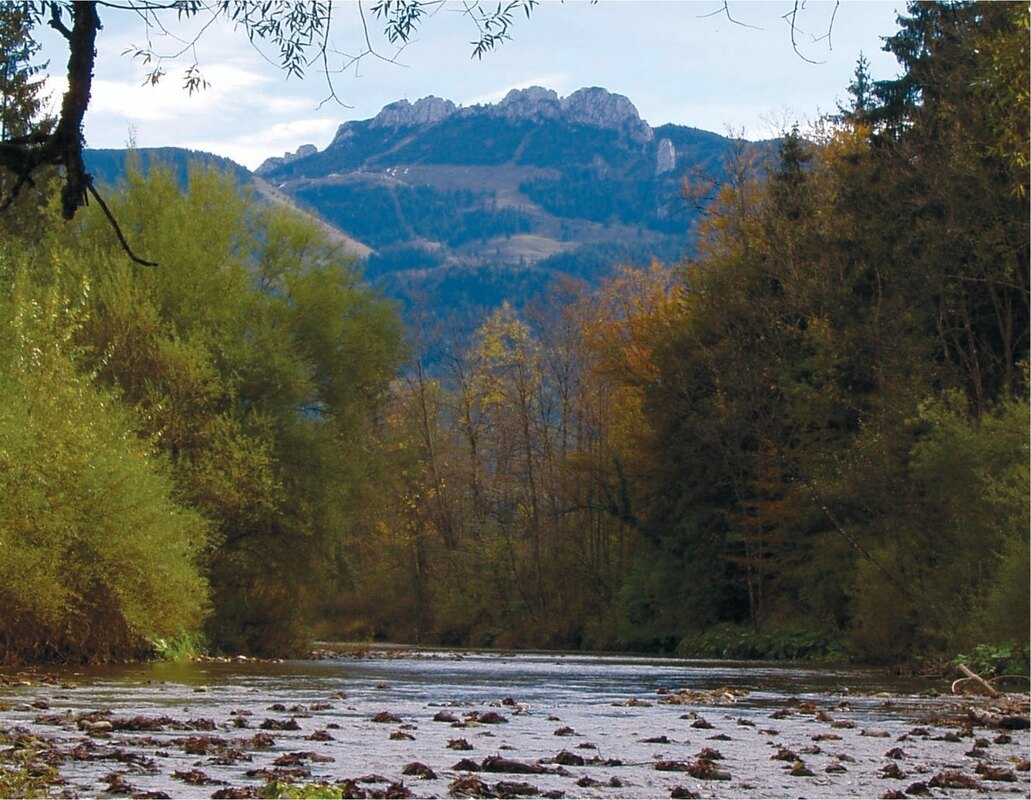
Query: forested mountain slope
x: 458, y: 209
x: 480, y: 204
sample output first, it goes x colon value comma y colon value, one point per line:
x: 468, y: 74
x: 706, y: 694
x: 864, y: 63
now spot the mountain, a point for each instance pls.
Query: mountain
x: 466, y: 206
x: 455, y: 209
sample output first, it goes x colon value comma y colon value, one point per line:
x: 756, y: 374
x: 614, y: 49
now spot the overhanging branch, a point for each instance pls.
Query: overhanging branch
x: 62, y: 147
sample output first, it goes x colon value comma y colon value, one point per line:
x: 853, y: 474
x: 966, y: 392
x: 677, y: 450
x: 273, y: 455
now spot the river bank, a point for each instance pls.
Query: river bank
x: 439, y: 724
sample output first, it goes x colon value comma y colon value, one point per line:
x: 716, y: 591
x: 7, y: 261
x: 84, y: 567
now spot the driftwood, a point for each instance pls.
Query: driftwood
x: 973, y: 676
x: 992, y: 719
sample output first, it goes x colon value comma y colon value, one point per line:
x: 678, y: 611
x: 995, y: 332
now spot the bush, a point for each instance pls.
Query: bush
x: 993, y: 660
x: 97, y: 557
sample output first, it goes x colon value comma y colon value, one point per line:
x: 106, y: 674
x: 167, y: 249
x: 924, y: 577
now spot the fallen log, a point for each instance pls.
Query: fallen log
x: 990, y: 719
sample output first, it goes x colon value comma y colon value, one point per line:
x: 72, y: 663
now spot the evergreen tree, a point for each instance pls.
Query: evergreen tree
x: 861, y: 91
x: 20, y: 86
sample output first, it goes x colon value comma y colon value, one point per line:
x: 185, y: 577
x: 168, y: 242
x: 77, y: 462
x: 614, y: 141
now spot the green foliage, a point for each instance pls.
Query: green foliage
x: 20, y: 81
x: 23, y: 771
x: 959, y: 556
x: 991, y: 660
x: 186, y: 438
x: 256, y: 358
x: 22, y: 104
x: 186, y: 647
x: 98, y: 556
x: 303, y: 791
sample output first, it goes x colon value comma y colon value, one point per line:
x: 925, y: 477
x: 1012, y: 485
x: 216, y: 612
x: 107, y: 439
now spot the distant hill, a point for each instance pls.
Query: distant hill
x: 455, y: 208
x: 109, y: 166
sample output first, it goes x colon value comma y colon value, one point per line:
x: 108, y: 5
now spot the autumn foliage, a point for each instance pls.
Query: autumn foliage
x: 808, y: 438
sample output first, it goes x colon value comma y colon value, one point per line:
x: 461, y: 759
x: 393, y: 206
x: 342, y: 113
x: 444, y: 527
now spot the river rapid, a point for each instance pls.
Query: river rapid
x: 440, y: 724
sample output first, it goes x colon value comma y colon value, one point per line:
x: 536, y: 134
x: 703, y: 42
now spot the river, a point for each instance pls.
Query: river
x: 554, y: 724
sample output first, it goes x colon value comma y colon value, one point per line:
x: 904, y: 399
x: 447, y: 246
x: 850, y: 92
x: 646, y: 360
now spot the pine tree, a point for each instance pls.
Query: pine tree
x: 861, y: 92
x: 21, y: 123
x: 20, y: 84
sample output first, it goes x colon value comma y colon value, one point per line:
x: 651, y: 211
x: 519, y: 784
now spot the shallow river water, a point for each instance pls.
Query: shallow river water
x: 583, y: 726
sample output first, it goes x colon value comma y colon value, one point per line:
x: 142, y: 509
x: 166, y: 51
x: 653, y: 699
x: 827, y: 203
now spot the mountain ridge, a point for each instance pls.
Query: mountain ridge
x: 459, y: 208
x: 591, y: 106
x: 464, y: 207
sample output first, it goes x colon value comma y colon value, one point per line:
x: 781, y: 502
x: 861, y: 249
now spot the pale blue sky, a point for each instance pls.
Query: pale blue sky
x: 674, y: 63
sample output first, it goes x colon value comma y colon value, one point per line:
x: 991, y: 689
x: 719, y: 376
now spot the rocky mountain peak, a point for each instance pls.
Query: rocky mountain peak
x: 270, y: 164
x: 666, y: 157
x: 602, y: 109
x: 403, y: 114
x: 592, y: 106
x: 534, y: 102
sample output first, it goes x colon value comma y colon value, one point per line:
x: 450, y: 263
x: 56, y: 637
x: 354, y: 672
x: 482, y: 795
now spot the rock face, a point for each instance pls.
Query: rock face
x: 403, y: 114
x: 602, y: 109
x: 595, y: 107
x: 532, y: 103
x: 592, y: 107
x: 270, y: 164
x: 666, y: 157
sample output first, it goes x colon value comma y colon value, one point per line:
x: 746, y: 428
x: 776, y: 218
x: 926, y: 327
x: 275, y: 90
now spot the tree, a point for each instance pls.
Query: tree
x: 20, y: 106
x: 255, y: 362
x: 20, y: 85
x: 100, y: 557
x: 952, y: 150
x: 861, y: 91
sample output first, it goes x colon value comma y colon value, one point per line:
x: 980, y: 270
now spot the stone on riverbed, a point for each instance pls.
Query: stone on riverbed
x: 271, y: 724
x: 498, y: 763
x: 419, y: 770
x: 720, y: 696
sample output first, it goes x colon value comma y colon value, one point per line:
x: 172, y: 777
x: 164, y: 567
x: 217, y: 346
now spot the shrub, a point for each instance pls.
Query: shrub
x: 96, y: 555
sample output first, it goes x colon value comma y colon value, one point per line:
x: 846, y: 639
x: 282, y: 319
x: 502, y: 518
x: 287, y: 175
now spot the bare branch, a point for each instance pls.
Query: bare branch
x: 725, y: 10
x: 57, y: 23
x: 830, y: 25
x: 324, y: 57
x: 118, y: 231
x: 792, y: 19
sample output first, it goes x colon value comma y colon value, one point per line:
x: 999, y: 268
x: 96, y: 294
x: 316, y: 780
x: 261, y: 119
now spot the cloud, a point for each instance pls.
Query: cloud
x: 229, y: 87
x: 254, y: 146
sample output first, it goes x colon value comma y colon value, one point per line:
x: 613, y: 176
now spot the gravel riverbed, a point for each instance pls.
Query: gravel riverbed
x: 467, y: 725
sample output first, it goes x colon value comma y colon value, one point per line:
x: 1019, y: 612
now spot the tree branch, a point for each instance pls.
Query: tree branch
x: 114, y: 224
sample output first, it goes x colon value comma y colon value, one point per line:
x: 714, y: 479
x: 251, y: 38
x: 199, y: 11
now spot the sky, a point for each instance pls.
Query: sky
x: 680, y: 61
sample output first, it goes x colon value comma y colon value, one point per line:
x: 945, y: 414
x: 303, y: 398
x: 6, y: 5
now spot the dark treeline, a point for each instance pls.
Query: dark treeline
x: 811, y: 438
